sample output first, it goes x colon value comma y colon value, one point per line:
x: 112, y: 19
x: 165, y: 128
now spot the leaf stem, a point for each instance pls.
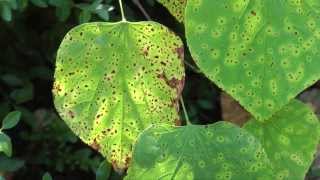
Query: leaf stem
x: 194, y: 69
x: 122, y: 12
x: 144, y: 12
x: 185, y: 111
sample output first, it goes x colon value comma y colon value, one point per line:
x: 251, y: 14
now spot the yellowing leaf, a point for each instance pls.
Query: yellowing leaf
x: 113, y: 80
x: 176, y: 7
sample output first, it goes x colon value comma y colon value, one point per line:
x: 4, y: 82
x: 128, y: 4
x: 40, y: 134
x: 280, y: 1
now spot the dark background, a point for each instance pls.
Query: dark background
x: 30, y: 34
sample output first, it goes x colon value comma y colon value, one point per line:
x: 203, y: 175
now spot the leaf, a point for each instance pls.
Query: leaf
x: 10, y: 164
x: 40, y: 3
x: 84, y: 16
x: 112, y: 80
x: 23, y: 95
x: 11, y: 120
x: 102, y: 12
x: 290, y: 139
x: 5, y: 144
x: 6, y: 13
x: 218, y: 151
x: 176, y: 8
x: 46, y: 176
x: 13, y: 4
x: 263, y: 53
x: 63, y: 13
x: 63, y: 8
x: 103, y: 172
x: 11, y: 80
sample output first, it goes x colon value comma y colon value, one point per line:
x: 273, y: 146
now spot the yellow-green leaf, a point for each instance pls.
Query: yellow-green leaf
x: 113, y: 80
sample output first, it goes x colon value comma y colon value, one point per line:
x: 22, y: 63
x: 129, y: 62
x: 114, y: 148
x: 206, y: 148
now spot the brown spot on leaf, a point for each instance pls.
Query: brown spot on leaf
x: 180, y: 52
x: 95, y: 145
x: 71, y: 114
x: 178, y: 122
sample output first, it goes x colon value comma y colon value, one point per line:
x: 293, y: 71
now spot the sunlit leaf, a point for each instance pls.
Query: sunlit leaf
x: 113, y: 80
x: 261, y: 52
x: 290, y: 139
x: 218, y: 151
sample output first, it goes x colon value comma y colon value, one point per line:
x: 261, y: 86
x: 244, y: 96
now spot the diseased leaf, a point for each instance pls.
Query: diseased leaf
x: 263, y: 53
x: 218, y: 151
x: 290, y: 139
x: 176, y: 8
x: 113, y: 80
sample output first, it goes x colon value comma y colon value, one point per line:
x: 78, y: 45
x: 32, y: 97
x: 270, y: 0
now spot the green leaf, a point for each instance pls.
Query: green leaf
x: 5, y: 144
x: 103, y: 172
x: 22, y: 4
x: 63, y: 13
x: 290, y: 139
x: 11, y: 80
x: 176, y: 8
x: 112, y: 80
x: 263, y: 53
x: 22, y: 95
x: 8, y: 164
x: 103, y: 13
x: 6, y: 13
x: 84, y: 16
x: 13, y: 4
x: 40, y: 3
x: 11, y: 120
x: 63, y: 8
x: 218, y: 151
x: 46, y: 176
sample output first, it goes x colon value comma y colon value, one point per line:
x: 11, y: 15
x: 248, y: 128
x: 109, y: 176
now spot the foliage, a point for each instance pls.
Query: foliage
x: 32, y: 30
x: 261, y: 61
x: 217, y: 151
x: 8, y: 122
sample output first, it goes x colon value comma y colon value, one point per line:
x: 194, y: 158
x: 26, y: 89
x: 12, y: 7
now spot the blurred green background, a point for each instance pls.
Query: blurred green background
x: 30, y: 34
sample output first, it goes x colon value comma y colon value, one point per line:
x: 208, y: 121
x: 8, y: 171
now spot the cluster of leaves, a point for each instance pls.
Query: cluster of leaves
x: 114, y: 80
x: 63, y: 8
x: 41, y: 141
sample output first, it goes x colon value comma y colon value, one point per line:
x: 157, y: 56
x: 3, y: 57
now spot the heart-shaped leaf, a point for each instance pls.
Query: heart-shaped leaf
x: 263, y: 53
x: 218, y: 151
x: 290, y: 139
x: 113, y: 80
x: 176, y: 8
